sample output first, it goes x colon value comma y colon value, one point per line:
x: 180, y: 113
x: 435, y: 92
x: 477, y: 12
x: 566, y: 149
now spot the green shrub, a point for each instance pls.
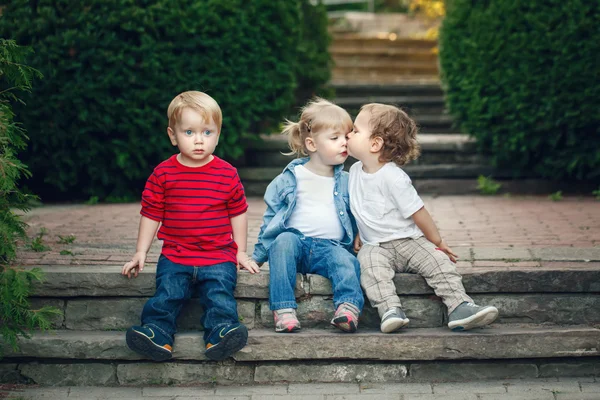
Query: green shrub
x: 16, y: 317
x: 486, y: 185
x: 522, y: 77
x: 313, y: 68
x: 98, y: 121
x: 14, y: 75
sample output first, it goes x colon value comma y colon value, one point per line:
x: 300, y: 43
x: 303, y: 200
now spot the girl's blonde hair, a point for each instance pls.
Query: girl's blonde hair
x: 398, y: 131
x: 197, y: 101
x: 318, y: 115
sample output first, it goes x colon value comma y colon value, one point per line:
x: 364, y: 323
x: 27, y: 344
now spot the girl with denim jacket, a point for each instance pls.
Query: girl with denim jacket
x: 308, y: 227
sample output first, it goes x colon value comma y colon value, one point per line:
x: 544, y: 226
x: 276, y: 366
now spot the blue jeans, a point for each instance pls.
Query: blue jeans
x: 175, y: 284
x: 291, y: 253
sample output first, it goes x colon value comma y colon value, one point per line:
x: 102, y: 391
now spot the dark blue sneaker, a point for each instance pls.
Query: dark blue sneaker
x: 149, y: 342
x: 227, y: 341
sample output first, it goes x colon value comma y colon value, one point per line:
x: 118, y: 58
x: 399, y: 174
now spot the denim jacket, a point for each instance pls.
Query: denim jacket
x: 281, y: 200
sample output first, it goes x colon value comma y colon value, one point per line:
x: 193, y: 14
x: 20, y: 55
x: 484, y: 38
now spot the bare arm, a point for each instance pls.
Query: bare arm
x: 146, y: 234
x: 425, y: 223
x: 239, y: 226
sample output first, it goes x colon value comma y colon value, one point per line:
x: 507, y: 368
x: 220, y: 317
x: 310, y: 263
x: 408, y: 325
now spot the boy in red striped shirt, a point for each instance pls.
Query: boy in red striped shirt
x: 198, y: 201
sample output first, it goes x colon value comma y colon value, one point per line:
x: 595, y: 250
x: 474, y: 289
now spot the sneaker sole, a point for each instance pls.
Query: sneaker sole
x: 342, y: 324
x: 143, y: 345
x: 482, y: 318
x: 295, y: 328
x: 230, y: 344
x: 394, y: 324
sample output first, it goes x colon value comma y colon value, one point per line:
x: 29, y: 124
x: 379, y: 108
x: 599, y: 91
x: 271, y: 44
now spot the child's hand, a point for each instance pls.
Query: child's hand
x: 136, y: 265
x: 357, y: 243
x: 246, y: 262
x: 444, y: 247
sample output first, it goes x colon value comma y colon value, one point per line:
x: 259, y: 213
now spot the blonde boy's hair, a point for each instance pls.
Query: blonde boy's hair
x: 198, y: 101
x: 318, y: 115
x: 398, y: 131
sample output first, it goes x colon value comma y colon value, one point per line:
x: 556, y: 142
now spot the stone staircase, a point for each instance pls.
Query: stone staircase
x: 549, y: 326
x: 384, y: 59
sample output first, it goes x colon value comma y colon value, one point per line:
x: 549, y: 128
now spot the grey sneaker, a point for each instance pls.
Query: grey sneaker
x: 468, y: 316
x: 393, y: 319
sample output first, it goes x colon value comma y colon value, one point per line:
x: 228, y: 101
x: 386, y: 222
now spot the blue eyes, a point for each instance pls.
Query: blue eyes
x: 189, y: 132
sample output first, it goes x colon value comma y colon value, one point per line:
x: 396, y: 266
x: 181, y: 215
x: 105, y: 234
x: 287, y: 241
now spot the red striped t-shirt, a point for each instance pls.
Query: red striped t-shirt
x: 194, y: 206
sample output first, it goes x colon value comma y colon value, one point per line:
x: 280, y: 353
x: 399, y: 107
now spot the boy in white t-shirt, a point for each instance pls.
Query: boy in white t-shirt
x: 396, y: 233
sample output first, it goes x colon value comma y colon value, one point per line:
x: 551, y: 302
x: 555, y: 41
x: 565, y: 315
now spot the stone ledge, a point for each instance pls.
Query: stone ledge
x: 374, y: 377
x: 316, y: 311
x: 265, y: 345
x: 64, y: 281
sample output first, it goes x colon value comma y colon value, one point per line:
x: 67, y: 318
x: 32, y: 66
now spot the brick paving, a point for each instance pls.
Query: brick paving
x: 517, y: 230
x: 538, y: 389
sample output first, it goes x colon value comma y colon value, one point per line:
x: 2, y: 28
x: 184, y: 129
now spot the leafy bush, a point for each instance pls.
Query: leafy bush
x: 522, y: 77
x: 98, y: 120
x: 14, y: 75
x: 16, y: 317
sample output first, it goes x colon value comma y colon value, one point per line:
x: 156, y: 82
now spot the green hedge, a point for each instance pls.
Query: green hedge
x: 522, y: 76
x: 98, y: 121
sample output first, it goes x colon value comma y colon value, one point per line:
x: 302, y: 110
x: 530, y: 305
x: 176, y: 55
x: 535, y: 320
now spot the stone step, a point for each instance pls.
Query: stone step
x: 382, y: 53
x: 375, y: 90
x: 494, y: 271
x: 366, y: 73
x: 527, y: 292
x: 416, y: 106
x: 340, y: 78
x: 316, y: 311
x: 304, y: 379
x: 426, y: 344
x: 361, y: 42
x: 360, y: 66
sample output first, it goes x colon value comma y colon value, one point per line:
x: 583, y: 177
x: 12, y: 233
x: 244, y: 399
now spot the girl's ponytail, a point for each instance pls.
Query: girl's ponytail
x: 293, y: 130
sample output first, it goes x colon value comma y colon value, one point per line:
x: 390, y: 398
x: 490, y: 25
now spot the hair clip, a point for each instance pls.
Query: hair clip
x: 308, y: 125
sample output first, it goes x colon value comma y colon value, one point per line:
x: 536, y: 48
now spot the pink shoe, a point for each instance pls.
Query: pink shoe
x: 346, y: 318
x: 286, y: 320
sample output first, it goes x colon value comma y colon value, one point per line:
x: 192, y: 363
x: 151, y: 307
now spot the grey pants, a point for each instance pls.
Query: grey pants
x: 379, y: 264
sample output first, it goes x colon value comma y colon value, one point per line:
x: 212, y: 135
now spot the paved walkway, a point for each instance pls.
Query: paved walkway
x: 528, y: 231
x: 540, y: 389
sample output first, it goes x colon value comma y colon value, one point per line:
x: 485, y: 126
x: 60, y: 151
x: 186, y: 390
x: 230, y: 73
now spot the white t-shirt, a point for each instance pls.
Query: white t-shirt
x: 383, y: 204
x: 315, y: 214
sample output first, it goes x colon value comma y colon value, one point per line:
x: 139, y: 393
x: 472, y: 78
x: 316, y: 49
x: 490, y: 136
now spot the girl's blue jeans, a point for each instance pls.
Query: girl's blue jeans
x: 291, y: 253
x: 175, y: 283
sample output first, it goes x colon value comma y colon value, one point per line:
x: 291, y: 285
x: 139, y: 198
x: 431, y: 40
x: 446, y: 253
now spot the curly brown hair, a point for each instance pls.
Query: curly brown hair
x: 398, y: 131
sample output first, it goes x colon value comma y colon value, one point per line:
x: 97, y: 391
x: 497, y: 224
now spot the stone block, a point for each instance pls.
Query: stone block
x: 88, y: 314
x: 579, y: 367
x: 70, y: 374
x: 223, y: 373
x: 500, y: 342
x: 567, y: 254
x: 450, y: 372
x: 121, y: 313
x: 502, y: 253
x: 564, y: 309
x: 9, y: 373
x: 73, y: 282
x: 334, y: 372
